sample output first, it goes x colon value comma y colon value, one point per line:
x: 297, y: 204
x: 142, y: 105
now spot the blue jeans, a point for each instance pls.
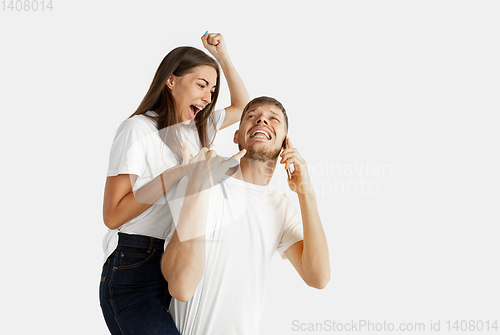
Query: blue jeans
x: 133, y: 293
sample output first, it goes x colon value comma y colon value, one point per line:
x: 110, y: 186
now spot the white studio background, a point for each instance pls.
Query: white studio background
x: 394, y: 104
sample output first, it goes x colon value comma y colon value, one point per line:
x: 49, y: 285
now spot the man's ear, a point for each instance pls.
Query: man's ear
x: 235, y: 139
x: 170, y: 81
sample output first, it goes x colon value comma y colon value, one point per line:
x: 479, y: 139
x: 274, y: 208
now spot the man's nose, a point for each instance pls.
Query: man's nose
x: 262, y: 120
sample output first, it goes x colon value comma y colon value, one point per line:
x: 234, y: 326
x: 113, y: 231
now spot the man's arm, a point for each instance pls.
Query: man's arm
x: 310, y: 257
x: 183, y: 262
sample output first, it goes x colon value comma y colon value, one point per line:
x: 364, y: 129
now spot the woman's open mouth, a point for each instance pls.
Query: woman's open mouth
x: 193, y: 110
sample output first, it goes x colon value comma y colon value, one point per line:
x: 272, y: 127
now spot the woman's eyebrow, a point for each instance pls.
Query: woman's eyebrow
x: 206, y: 81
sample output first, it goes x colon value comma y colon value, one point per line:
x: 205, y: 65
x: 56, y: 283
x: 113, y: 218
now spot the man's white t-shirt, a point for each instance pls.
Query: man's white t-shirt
x: 247, y: 223
x: 138, y: 149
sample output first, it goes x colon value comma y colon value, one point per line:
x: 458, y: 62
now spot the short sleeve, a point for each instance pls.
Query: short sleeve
x: 293, y: 229
x: 128, y: 151
x: 219, y: 116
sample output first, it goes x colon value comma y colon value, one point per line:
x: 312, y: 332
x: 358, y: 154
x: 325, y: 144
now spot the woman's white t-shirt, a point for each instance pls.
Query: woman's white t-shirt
x: 138, y: 149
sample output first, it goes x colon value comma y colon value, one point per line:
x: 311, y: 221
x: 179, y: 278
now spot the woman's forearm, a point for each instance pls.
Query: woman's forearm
x: 135, y: 203
x: 237, y: 89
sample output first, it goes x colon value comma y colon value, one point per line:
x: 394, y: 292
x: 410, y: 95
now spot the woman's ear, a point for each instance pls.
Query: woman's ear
x: 170, y: 81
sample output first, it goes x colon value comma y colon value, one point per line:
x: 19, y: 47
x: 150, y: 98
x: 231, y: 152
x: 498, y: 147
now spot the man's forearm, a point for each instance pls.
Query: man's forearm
x: 183, y: 263
x: 152, y: 191
x: 315, y: 256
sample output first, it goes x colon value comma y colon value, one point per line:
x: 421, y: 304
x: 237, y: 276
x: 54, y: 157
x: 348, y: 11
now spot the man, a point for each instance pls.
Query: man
x: 216, y: 261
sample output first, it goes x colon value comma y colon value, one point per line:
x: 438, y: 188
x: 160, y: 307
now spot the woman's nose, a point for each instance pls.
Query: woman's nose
x: 207, y: 97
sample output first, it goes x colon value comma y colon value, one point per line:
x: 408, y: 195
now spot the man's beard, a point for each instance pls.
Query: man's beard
x: 261, y: 154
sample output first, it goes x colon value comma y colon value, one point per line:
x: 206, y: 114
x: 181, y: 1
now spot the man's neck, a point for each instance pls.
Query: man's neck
x: 253, y: 171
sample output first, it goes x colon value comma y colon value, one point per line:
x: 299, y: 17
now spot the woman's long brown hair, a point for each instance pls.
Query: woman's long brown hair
x: 179, y: 62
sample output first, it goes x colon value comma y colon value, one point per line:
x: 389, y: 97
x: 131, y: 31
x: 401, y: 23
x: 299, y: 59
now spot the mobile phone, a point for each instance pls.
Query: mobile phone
x: 289, y: 170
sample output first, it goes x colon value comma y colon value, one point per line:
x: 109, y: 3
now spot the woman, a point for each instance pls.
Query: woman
x: 145, y: 162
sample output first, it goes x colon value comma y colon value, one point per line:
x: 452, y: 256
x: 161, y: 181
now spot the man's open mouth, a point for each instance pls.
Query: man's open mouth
x: 259, y: 133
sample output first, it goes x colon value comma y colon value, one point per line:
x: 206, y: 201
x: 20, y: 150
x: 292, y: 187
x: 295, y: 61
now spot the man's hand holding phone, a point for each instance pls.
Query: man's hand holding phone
x: 299, y: 180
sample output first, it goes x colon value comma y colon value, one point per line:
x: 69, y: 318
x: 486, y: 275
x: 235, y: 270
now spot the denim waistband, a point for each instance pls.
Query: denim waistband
x: 140, y: 241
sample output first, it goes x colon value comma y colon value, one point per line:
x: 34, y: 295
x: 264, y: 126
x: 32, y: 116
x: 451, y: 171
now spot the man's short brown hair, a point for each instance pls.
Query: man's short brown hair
x: 264, y: 101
